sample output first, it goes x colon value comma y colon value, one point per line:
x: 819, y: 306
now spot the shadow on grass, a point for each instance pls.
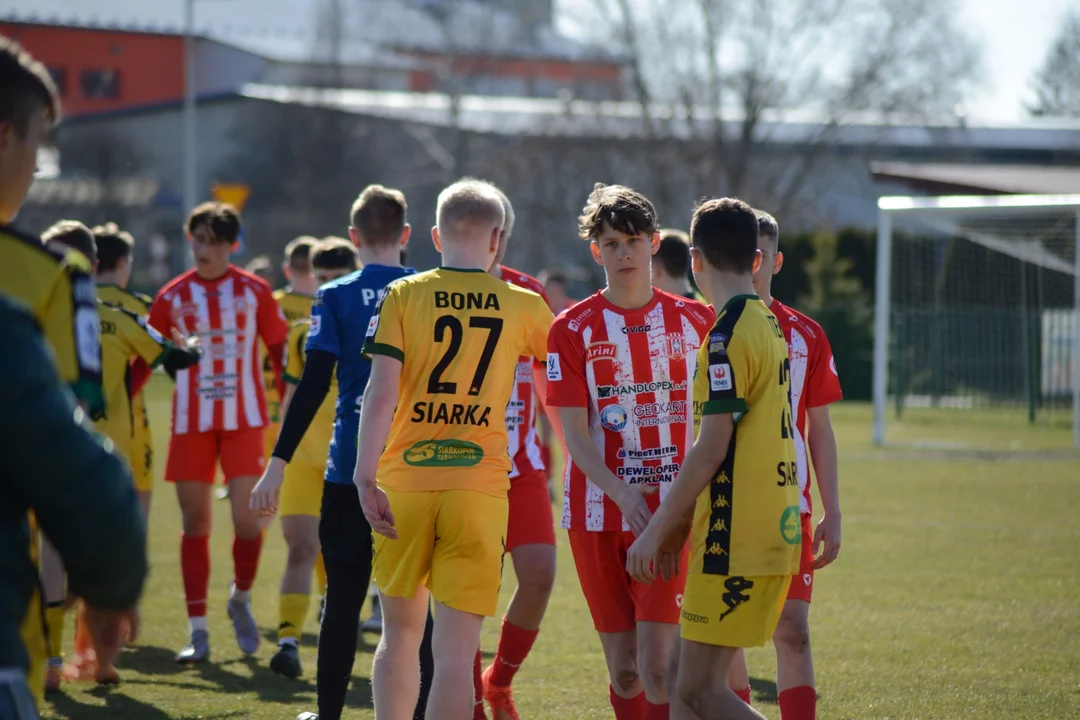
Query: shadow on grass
x: 117, y: 706
x: 763, y: 691
x: 365, y: 642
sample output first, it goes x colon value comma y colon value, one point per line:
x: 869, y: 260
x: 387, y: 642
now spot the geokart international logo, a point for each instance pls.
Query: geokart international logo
x: 613, y: 417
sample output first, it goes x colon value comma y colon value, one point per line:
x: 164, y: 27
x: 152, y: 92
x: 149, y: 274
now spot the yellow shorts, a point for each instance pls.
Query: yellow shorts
x: 142, y: 463
x: 451, y: 541
x: 732, y: 611
x: 270, y: 436
x: 301, y: 492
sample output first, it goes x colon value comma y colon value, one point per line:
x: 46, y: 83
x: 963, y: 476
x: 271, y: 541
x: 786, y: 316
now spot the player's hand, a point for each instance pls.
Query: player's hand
x: 669, y: 556
x: 185, y: 341
x: 110, y: 630
x: 631, y: 502
x: 264, y: 496
x: 641, y: 555
x: 827, y: 534
x: 376, y: 507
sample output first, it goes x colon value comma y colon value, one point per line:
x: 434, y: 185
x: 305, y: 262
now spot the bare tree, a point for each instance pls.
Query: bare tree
x: 1057, y: 83
x: 719, y: 81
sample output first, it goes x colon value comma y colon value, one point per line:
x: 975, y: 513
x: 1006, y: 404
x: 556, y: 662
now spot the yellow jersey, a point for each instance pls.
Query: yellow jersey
x: 59, y: 292
x: 746, y: 522
x: 458, y: 334
x: 294, y: 306
x: 138, y: 304
x: 315, y: 447
x: 124, y: 335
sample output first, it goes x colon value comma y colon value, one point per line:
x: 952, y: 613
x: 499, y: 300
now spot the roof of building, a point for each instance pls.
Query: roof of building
x: 1005, y: 179
x: 569, y: 117
x: 303, y: 30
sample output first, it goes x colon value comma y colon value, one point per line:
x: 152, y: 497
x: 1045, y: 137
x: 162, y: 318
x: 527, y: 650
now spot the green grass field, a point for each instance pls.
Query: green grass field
x: 956, y: 595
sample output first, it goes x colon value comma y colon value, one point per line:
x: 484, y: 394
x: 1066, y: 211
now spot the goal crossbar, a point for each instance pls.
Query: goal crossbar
x: 959, y: 206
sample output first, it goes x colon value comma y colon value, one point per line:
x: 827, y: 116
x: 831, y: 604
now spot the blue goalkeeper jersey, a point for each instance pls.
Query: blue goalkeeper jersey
x: 339, y: 321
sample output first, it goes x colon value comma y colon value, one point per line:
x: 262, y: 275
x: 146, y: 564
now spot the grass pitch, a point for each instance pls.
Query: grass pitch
x: 956, y: 595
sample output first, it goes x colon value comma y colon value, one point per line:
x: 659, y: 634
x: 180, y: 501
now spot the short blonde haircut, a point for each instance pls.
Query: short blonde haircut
x: 469, y: 207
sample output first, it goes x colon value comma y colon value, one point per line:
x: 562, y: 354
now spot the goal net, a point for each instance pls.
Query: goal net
x: 977, y: 322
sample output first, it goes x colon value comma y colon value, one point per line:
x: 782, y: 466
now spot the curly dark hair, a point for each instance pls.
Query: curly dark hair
x: 621, y: 208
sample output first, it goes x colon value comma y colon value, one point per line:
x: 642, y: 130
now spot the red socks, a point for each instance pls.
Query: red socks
x: 656, y: 712
x: 627, y: 709
x: 195, y: 567
x: 514, y: 646
x: 478, y: 687
x: 798, y: 703
x: 245, y: 553
x: 744, y: 694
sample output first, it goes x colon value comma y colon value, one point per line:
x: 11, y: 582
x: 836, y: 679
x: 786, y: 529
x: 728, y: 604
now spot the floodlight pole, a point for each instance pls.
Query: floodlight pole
x: 882, y: 298
x: 1076, y: 337
x: 190, y: 167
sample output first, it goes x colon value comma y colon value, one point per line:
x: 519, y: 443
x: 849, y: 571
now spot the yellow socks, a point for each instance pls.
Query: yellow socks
x: 54, y: 624
x: 292, y: 609
x: 320, y: 574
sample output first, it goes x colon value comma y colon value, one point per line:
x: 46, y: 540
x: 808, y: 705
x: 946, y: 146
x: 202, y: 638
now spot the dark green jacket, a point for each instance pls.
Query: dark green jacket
x: 51, y: 462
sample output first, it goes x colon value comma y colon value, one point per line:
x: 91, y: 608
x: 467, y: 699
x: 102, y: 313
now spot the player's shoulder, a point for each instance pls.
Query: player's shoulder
x: 14, y: 241
x: 122, y: 297
x: 168, y: 290
x: 698, y: 313
x: 251, y: 280
x: 579, y: 315
x: 790, y: 317
x: 523, y: 280
x: 743, y: 314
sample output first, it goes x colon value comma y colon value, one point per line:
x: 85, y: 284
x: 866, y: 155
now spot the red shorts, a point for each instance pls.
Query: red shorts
x: 531, y: 519
x: 802, y: 585
x: 616, y: 601
x: 193, y: 457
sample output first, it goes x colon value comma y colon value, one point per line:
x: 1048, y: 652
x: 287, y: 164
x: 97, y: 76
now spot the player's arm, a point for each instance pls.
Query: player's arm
x: 822, y: 442
x: 73, y: 328
x: 385, y: 345
x: 728, y: 372
x: 81, y: 493
x: 151, y: 346
x: 274, y: 331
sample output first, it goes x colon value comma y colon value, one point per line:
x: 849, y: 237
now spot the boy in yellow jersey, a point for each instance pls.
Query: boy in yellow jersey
x: 433, y: 475
x: 746, y: 532
x: 300, y: 500
x: 115, y: 253
x: 56, y: 289
x: 124, y: 336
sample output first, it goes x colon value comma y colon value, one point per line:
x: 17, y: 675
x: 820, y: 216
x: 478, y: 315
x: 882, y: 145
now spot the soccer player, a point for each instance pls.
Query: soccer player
x: 80, y: 494
x: 530, y: 533
x: 740, y: 472
x: 219, y: 412
x: 57, y: 289
x: 124, y: 336
x: 555, y: 283
x: 814, y: 386
x: 115, y: 254
x: 302, y: 489
x: 671, y: 265
x: 433, y: 475
x: 340, y: 317
x: 619, y: 369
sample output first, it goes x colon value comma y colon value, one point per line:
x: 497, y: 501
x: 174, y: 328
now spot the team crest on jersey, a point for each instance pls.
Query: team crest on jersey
x: 601, y: 351
x: 720, y: 377
x: 675, y: 346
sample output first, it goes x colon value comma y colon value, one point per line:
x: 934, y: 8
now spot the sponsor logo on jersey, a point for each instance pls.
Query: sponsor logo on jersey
x: 647, y: 454
x: 316, y: 325
x: 601, y: 351
x: 791, y: 526
x: 649, y: 474
x: 606, y: 391
x: 575, y: 324
x: 656, y: 409
x: 373, y: 326
x: 444, y: 453
x: 636, y: 329
x: 613, y: 417
x: 554, y: 369
x: 720, y: 377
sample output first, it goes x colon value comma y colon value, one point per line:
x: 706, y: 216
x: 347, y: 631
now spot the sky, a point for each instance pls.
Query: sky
x: 1014, y: 34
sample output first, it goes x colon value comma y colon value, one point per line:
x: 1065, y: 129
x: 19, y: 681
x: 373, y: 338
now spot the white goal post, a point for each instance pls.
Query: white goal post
x: 1008, y: 232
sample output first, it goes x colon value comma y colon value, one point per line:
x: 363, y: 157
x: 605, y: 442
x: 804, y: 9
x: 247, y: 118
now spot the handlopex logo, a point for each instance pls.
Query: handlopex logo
x: 601, y: 351
x: 606, y: 391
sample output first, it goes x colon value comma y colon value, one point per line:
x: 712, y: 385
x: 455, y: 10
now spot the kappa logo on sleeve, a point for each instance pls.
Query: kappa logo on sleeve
x: 720, y: 377
x: 554, y: 369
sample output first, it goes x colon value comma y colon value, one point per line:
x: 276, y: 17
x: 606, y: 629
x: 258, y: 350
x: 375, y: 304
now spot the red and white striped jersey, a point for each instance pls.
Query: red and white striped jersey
x: 634, y: 371
x: 814, y: 382
x: 225, y: 390
x: 524, y: 440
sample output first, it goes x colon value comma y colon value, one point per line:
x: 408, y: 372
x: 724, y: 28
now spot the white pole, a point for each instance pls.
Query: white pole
x: 190, y: 168
x: 881, y: 322
x: 1076, y: 337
